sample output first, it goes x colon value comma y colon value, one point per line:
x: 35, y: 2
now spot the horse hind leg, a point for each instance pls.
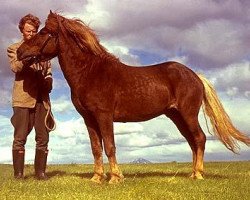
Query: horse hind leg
x: 190, y: 129
x: 200, y: 140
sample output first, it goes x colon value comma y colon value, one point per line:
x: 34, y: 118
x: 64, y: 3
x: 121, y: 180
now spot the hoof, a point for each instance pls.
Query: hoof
x: 97, y: 178
x: 42, y: 177
x: 19, y: 176
x: 197, y: 176
x: 115, y: 179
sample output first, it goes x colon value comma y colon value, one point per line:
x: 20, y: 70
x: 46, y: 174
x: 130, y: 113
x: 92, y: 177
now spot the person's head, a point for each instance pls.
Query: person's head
x: 28, y: 25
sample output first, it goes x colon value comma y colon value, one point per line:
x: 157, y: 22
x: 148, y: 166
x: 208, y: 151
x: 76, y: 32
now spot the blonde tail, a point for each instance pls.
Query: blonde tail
x: 221, y: 123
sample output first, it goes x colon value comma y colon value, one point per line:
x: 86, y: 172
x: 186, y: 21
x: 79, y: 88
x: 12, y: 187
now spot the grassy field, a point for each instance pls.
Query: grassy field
x: 223, y: 180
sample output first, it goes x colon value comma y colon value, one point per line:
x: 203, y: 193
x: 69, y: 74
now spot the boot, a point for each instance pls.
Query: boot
x: 18, y: 163
x: 40, y: 164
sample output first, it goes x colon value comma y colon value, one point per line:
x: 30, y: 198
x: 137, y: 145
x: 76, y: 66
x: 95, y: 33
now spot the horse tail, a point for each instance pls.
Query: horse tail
x: 220, y: 121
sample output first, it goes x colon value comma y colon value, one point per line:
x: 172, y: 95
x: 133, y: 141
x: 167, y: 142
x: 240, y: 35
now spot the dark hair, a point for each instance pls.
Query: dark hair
x: 30, y: 19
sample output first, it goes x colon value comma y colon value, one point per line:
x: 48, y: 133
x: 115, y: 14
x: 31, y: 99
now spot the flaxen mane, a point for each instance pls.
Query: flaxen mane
x: 85, y: 37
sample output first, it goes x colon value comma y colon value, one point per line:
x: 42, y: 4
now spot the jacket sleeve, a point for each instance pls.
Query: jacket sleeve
x: 49, y: 70
x: 16, y: 65
x: 48, y: 81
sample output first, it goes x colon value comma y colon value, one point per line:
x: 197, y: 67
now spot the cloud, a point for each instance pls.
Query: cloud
x: 215, y: 43
x: 70, y: 128
x: 62, y: 104
x: 5, y: 98
x: 234, y: 79
x: 122, y: 53
x: 153, y: 14
x: 127, y: 128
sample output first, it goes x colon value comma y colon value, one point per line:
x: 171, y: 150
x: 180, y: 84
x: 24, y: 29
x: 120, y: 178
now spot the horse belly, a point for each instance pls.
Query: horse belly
x: 141, y: 104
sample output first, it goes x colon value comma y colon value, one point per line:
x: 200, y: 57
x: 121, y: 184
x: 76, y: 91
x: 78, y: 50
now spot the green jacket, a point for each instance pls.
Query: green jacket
x: 27, y: 83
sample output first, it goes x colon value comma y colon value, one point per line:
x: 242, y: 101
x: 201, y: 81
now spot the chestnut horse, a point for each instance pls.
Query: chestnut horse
x: 104, y: 90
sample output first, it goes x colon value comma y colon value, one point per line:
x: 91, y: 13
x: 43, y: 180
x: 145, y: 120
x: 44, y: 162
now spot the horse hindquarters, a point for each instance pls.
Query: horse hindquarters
x: 189, y: 95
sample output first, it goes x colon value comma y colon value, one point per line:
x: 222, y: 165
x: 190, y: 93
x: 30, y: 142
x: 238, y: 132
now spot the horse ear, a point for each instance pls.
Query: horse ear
x: 50, y: 12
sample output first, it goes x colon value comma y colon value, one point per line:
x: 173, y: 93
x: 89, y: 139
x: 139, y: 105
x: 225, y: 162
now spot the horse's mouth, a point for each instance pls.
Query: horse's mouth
x: 22, y: 57
x: 30, y: 59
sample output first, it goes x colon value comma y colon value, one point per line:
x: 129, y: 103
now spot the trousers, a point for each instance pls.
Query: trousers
x: 24, y: 120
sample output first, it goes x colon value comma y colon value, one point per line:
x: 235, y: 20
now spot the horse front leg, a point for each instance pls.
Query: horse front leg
x: 105, y: 122
x: 96, y: 146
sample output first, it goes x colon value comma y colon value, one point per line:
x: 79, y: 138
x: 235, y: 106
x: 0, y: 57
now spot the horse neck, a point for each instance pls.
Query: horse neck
x: 71, y: 61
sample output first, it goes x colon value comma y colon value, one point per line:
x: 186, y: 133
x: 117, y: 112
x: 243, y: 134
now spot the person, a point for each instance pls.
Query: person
x: 30, y: 102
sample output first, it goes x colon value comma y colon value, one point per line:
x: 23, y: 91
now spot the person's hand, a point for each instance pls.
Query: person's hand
x: 47, y: 84
x: 27, y: 62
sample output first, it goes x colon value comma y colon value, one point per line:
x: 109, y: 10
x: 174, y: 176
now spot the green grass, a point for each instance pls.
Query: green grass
x: 223, y: 180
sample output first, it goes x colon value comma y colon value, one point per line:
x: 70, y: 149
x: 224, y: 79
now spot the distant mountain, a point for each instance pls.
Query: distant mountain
x: 140, y: 161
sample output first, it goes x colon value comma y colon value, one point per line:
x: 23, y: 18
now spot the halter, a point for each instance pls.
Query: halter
x: 45, y: 43
x: 50, y: 36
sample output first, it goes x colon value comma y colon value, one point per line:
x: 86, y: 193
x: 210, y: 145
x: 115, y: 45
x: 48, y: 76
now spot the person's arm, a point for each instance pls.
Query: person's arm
x: 15, y: 64
x: 48, y: 80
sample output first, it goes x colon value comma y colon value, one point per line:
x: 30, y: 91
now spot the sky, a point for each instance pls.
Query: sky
x: 209, y: 36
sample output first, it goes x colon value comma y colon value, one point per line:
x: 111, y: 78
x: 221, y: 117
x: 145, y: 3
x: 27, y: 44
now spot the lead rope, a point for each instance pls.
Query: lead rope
x: 52, y: 117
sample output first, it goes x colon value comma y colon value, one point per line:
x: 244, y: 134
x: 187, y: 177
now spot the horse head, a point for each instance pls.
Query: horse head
x: 44, y: 45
